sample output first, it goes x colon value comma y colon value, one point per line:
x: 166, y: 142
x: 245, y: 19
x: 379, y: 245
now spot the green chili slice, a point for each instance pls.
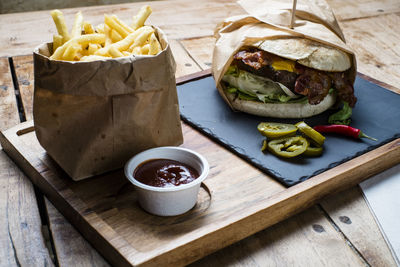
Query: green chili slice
x: 288, y: 147
x: 264, y: 145
x: 276, y: 130
x: 312, y: 151
x: 310, y: 133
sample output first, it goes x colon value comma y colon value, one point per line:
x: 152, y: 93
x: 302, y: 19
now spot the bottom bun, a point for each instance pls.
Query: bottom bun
x: 281, y: 110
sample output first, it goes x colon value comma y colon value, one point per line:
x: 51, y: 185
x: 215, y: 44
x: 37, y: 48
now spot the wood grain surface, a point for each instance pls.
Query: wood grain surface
x: 345, y: 10
x: 70, y: 247
x: 351, y: 214
x: 8, y: 108
x: 370, y: 27
x: 24, y: 73
x: 379, y: 56
x: 21, y: 240
x: 284, y: 244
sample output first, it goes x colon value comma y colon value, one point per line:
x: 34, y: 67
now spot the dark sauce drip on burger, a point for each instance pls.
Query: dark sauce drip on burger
x: 314, y: 84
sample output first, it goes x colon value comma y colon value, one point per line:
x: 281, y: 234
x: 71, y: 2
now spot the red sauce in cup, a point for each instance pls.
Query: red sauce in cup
x: 165, y: 173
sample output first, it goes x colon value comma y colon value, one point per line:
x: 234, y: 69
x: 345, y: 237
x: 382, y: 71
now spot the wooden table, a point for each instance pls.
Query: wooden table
x: 340, y: 230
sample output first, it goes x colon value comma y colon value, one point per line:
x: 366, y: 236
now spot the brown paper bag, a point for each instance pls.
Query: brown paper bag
x: 91, y: 117
x: 270, y: 19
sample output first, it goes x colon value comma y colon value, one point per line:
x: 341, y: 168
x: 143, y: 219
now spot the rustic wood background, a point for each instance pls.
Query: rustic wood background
x: 339, y: 231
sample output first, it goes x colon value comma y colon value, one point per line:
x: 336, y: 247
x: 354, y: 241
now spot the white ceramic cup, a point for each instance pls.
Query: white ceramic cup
x: 168, y: 201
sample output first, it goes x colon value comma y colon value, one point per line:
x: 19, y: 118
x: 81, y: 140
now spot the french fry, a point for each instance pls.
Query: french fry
x: 79, y: 55
x: 125, y: 43
x: 144, y: 50
x: 59, y: 20
x: 92, y: 48
x: 141, y: 17
x: 122, y: 24
x: 103, y: 51
x: 92, y: 58
x: 114, y: 52
x: 114, y: 25
x: 107, y: 31
x: 87, y: 27
x: 100, y: 28
x: 155, y: 46
x: 71, y: 51
x: 57, y: 41
x: 96, y: 38
x: 136, y: 50
x: 112, y: 39
x: 115, y: 36
x: 77, y: 27
x: 143, y: 36
x: 131, y: 38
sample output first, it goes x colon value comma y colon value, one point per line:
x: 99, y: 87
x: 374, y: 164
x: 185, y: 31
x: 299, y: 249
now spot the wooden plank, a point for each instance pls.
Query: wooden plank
x: 12, y: 6
x: 200, y: 49
x: 8, y: 105
x: 24, y: 71
x: 377, y: 57
x: 351, y: 213
x: 306, y: 239
x: 248, y: 203
x: 71, y: 248
x: 21, y: 242
x: 184, y: 64
x: 345, y: 10
x: 24, y: 33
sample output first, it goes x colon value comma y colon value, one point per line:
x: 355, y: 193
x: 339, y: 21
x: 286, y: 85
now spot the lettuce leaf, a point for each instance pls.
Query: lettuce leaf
x: 343, y: 116
x: 257, y: 87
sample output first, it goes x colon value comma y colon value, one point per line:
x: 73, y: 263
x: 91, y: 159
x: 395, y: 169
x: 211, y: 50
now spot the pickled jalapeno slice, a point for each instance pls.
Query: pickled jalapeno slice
x: 275, y: 129
x: 264, y: 145
x: 315, y: 136
x: 288, y: 147
x: 312, y: 151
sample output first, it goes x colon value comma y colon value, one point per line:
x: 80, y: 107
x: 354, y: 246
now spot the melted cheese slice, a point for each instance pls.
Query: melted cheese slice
x: 283, y: 64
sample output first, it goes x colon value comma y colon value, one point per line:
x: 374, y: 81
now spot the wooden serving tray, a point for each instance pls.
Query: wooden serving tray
x: 235, y: 201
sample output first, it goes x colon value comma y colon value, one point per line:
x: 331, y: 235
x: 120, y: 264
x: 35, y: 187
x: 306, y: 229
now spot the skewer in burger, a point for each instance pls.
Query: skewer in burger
x: 289, y: 78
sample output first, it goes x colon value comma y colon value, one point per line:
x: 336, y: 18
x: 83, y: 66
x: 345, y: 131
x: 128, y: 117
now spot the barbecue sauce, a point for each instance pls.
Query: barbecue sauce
x: 164, y: 173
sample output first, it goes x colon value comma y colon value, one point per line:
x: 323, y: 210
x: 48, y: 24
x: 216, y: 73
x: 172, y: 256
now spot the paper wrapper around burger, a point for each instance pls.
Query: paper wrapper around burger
x: 91, y: 117
x: 268, y: 20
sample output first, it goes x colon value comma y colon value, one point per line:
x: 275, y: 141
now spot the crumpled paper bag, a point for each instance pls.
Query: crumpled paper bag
x: 91, y: 117
x: 270, y: 19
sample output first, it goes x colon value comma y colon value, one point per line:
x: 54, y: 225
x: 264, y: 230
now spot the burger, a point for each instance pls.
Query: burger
x: 289, y: 78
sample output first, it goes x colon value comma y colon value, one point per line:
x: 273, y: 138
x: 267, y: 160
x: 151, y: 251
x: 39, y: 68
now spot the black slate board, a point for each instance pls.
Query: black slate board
x: 377, y: 113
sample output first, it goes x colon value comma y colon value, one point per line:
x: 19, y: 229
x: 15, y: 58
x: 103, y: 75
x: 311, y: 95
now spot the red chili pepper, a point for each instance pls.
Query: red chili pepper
x: 342, y: 129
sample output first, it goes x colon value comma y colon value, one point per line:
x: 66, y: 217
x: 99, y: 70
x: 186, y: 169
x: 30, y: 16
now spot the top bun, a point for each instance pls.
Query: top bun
x: 308, y: 53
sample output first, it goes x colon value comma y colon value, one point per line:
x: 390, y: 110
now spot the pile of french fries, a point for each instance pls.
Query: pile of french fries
x: 112, y: 39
